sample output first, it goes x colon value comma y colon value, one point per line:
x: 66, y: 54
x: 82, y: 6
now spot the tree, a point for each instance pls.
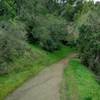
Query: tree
x: 89, y: 39
x: 7, y: 9
x: 50, y: 33
x: 70, y: 9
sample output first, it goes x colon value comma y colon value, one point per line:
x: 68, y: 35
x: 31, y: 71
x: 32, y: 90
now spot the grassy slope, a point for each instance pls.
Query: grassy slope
x: 29, y: 65
x: 80, y: 83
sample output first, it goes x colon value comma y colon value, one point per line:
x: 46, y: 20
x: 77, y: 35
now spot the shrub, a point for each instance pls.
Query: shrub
x: 89, y: 39
x: 12, y: 44
x: 49, y: 32
x: 7, y: 9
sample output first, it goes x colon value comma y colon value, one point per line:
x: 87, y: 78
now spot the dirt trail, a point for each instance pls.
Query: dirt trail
x: 45, y: 86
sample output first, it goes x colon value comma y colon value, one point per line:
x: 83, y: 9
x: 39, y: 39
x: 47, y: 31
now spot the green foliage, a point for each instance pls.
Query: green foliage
x: 52, y: 6
x: 89, y: 40
x: 70, y: 9
x: 11, y: 44
x: 27, y: 10
x: 50, y: 33
x: 80, y: 83
x: 45, y: 29
x: 7, y: 9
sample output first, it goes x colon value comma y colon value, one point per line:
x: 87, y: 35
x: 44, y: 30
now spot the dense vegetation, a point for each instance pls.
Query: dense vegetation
x: 49, y: 24
x: 89, y: 39
x: 27, y: 21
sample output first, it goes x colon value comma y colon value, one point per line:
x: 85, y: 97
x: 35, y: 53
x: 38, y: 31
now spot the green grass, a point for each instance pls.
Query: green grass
x: 80, y: 83
x: 28, y: 66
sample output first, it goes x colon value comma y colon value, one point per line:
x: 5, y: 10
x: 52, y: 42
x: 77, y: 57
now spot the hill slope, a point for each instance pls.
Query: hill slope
x: 34, y: 60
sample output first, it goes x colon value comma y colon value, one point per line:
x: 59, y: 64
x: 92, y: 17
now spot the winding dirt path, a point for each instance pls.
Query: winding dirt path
x: 45, y: 86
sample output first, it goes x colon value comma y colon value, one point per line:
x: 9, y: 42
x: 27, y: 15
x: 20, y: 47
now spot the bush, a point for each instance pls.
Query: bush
x: 7, y: 9
x: 89, y: 39
x: 12, y: 44
x: 49, y: 32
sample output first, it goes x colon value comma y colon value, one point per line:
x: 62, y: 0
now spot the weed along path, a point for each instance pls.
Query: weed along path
x: 45, y: 86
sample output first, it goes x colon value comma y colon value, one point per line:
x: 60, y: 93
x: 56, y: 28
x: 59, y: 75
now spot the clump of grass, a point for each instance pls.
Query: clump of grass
x: 80, y: 83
